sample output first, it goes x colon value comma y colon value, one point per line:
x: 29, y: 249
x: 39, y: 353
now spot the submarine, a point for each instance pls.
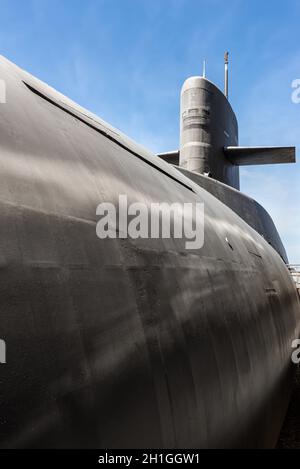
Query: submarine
x: 137, y: 343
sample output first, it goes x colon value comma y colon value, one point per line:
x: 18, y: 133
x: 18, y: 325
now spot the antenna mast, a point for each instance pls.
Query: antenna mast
x: 204, y: 69
x: 226, y: 73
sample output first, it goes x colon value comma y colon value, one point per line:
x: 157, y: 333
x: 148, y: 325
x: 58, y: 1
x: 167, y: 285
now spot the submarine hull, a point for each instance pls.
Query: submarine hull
x: 122, y: 343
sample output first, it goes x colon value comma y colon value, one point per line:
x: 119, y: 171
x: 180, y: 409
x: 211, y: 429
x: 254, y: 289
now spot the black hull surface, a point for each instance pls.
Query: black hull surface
x: 119, y: 342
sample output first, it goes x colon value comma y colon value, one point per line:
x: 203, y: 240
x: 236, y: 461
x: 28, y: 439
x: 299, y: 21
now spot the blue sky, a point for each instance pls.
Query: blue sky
x: 126, y: 60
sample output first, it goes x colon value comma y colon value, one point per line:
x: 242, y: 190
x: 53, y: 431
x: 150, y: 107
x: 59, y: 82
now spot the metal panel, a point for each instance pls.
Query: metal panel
x: 245, y: 156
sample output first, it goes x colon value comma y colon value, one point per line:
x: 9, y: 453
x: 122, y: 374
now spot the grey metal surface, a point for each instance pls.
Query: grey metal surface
x: 245, y: 156
x: 122, y: 343
x: 209, y: 135
x: 246, y: 207
x: 171, y: 157
x: 207, y: 125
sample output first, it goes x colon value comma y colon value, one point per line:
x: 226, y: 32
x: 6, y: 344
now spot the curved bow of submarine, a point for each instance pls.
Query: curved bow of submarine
x: 122, y: 343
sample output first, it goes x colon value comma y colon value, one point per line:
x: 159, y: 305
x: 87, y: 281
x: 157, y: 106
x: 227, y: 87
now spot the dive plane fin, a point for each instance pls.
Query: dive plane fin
x: 171, y: 157
x: 243, y: 156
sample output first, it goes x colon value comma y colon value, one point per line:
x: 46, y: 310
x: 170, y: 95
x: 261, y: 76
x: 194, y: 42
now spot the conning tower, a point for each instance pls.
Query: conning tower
x: 209, y: 135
